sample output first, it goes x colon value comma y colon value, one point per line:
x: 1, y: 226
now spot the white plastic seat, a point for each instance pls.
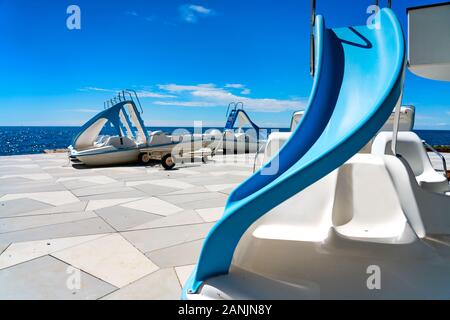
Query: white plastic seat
x: 411, y: 148
x: 121, y: 143
x: 366, y: 203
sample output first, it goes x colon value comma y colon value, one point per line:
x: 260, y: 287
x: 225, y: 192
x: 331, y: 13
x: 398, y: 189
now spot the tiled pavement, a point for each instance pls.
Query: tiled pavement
x: 129, y: 232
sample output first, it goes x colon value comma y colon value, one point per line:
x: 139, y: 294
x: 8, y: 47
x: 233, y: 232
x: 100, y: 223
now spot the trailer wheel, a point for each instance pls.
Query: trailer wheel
x: 144, y: 158
x: 168, y: 162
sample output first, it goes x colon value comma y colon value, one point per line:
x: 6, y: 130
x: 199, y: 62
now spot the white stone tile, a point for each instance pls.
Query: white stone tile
x: 123, y: 219
x: 180, y: 255
x: 20, y: 166
x: 46, y: 278
x: 211, y: 214
x: 221, y: 187
x: 92, y: 179
x: 235, y: 173
x: 63, y: 230
x: 154, y: 205
x: 74, y: 207
x: 194, y: 190
x: 156, y: 239
x: 107, y: 203
x: 177, y: 219
x: 31, y: 176
x: 28, y: 222
x: 57, y: 198
x: 160, y: 285
x: 25, y: 251
x: 110, y: 258
x: 184, y: 272
x: 171, y: 183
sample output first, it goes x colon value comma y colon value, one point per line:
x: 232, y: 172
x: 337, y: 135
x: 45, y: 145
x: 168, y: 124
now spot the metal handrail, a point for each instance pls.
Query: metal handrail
x: 440, y: 155
x: 229, y: 106
x: 129, y: 91
x: 239, y: 104
x: 132, y: 92
x: 389, y: 3
x: 256, y: 156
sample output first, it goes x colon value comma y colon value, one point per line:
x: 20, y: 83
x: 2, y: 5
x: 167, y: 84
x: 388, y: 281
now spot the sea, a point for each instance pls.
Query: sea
x: 35, y: 140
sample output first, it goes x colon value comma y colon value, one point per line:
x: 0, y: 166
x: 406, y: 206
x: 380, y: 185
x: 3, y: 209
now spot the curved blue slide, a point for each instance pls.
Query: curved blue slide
x: 358, y: 81
x: 234, y: 115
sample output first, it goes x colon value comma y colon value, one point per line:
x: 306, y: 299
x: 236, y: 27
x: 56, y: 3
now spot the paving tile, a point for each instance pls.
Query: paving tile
x: 20, y: 206
x: 213, y: 180
x: 161, y: 285
x: 3, y: 247
x: 30, y: 176
x: 47, y: 278
x: 178, y: 219
x: 110, y: 258
x: 100, y: 180
x: 58, y: 198
x: 228, y: 172
x: 211, y: 214
x: 29, y: 187
x: 206, y: 203
x: 184, y: 272
x: 115, y: 195
x: 227, y: 191
x: 122, y: 219
x: 184, y: 198
x: 180, y: 255
x: 18, y: 166
x: 154, y: 205
x: 28, y: 222
x: 154, y: 190
x: 24, y: 251
x: 170, y: 183
x: 154, y: 239
x: 194, y: 190
x: 107, y: 203
x: 74, y: 207
x: 99, y: 190
x: 64, y: 230
x: 221, y: 187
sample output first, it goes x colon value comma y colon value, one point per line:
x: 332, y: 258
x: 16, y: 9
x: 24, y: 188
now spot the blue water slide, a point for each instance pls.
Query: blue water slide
x: 234, y: 115
x: 359, y: 75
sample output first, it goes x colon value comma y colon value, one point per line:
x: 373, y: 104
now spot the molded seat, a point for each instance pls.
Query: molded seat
x: 411, y: 148
x: 366, y: 204
x: 358, y: 200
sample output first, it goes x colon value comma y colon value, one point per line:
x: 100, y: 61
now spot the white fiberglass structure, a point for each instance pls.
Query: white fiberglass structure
x: 126, y: 133
x: 276, y: 140
x: 127, y: 140
x: 241, y: 134
x: 341, y: 215
x: 429, y: 41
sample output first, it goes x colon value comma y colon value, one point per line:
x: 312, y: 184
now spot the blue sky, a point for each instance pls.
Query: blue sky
x: 188, y: 59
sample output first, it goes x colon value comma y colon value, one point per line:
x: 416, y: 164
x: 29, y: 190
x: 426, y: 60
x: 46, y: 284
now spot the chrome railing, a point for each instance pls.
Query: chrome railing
x: 122, y: 97
x: 258, y: 153
x: 440, y: 155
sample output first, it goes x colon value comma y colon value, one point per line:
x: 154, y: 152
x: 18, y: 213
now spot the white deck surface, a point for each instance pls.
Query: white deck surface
x: 127, y: 232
